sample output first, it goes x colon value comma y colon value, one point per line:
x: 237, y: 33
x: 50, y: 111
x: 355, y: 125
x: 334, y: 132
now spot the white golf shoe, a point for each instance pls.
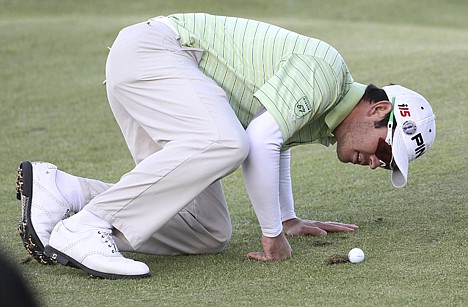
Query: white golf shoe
x: 94, y: 251
x: 43, y: 206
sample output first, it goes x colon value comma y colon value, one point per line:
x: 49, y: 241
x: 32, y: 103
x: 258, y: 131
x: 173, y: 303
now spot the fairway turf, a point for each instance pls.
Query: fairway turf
x: 54, y: 108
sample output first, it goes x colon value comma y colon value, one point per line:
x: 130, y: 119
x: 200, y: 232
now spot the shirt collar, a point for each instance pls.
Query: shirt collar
x: 345, y: 106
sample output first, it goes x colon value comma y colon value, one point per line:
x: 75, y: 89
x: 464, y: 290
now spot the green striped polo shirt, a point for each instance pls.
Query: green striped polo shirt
x: 303, y: 82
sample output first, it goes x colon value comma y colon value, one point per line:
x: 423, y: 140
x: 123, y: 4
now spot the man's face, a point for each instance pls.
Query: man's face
x: 358, y: 141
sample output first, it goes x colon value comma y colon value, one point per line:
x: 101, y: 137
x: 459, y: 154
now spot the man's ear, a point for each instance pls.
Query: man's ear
x: 380, y: 109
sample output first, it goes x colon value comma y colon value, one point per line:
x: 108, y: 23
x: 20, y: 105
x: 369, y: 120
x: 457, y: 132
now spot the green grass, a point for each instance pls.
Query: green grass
x: 53, y: 108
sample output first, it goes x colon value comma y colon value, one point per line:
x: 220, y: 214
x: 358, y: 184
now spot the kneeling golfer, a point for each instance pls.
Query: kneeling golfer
x: 196, y: 96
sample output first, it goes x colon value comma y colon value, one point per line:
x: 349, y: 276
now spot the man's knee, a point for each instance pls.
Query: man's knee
x: 238, y: 146
x: 219, y: 239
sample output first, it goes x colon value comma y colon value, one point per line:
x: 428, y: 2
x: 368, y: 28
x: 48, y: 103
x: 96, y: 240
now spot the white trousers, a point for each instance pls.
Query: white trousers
x: 183, y: 136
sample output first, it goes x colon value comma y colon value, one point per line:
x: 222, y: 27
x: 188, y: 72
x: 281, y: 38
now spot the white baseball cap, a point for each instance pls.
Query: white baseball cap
x: 415, y: 129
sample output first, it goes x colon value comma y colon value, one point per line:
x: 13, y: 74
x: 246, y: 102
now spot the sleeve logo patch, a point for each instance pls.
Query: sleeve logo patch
x: 302, y: 107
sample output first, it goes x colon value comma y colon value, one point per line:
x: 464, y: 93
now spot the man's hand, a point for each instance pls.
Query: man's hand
x: 300, y: 227
x: 276, y: 248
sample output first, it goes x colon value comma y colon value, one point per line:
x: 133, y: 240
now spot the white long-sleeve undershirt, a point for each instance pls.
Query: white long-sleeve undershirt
x: 267, y: 175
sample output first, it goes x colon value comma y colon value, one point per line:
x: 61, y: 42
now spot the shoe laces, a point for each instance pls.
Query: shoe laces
x: 106, y: 237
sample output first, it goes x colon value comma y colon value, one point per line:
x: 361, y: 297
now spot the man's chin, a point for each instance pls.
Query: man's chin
x: 340, y: 156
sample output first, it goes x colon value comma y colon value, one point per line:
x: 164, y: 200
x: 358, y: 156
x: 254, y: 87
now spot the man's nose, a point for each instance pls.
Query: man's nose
x: 374, y: 162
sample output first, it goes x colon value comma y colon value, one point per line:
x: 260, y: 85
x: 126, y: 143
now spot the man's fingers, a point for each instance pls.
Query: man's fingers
x: 262, y: 256
x: 320, y: 229
x: 336, y: 227
x: 258, y: 256
x: 332, y: 225
x: 314, y: 231
x: 351, y: 226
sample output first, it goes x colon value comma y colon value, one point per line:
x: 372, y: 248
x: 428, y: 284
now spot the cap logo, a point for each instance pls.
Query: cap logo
x: 419, y: 150
x: 409, y: 127
x: 404, y: 110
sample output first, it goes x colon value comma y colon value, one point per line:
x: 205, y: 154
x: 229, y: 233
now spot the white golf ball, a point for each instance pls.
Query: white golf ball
x: 356, y: 255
